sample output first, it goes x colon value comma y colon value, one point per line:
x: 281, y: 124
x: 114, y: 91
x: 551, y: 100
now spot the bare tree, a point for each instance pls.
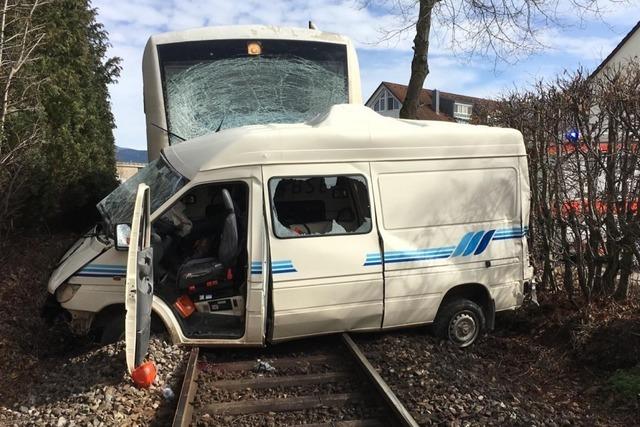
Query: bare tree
x: 497, y: 29
x: 19, y: 39
x: 585, y: 221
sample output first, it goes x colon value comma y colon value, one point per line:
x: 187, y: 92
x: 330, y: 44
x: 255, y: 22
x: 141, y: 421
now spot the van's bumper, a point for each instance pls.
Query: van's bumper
x: 79, y: 321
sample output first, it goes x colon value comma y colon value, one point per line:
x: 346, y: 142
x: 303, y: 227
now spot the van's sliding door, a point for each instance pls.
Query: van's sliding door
x: 325, y: 254
x: 446, y: 223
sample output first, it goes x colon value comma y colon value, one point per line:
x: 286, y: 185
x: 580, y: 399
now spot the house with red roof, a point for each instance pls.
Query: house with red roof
x: 388, y: 97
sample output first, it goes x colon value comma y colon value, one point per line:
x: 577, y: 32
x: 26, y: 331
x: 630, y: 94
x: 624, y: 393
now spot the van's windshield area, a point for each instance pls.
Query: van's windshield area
x: 230, y: 83
x: 163, y: 181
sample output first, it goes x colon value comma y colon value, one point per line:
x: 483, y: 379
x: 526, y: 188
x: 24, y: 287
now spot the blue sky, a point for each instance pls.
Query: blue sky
x: 584, y: 41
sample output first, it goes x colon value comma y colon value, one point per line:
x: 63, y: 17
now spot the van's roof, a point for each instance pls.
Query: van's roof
x: 345, y: 133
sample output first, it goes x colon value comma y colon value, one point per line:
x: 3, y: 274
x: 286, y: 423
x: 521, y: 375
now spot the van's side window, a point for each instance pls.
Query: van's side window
x: 319, y: 205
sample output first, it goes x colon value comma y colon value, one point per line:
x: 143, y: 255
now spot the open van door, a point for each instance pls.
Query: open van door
x: 139, y: 282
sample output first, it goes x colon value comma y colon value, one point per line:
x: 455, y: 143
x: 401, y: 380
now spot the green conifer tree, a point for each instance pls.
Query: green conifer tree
x: 76, y: 165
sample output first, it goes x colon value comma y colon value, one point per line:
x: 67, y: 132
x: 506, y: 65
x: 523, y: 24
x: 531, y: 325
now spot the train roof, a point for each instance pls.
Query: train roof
x: 231, y: 32
x: 345, y: 133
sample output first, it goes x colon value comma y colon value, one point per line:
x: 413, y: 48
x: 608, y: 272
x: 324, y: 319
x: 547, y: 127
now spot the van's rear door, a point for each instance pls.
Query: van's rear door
x: 139, y: 282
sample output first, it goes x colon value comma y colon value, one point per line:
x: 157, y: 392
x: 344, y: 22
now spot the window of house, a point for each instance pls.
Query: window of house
x: 375, y: 106
x: 462, y: 111
x: 381, y: 101
x: 389, y: 103
x: 319, y: 206
x: 396, y: 104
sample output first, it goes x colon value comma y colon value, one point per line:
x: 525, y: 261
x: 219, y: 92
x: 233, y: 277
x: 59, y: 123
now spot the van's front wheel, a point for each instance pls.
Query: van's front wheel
x: 113, y: 330
x: 460, y: 321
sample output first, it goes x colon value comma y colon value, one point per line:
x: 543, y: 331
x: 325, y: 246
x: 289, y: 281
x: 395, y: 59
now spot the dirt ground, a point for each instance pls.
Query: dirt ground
x: 542, y: 366
x: 48, y: 376
x: 546, y: 366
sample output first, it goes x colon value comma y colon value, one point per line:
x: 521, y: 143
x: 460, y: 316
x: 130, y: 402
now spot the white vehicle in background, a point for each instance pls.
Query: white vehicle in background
x: 348, y: 221
x: 206, y: 79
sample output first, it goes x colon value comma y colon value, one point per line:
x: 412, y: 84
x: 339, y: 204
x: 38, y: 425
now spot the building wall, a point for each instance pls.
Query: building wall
x: 124, y: 171
x: 382, y: 92
x: 446, y: 108
x: 629, y: 50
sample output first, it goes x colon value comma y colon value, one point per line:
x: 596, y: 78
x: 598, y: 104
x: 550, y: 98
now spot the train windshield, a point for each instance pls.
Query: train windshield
x: 218, y: 84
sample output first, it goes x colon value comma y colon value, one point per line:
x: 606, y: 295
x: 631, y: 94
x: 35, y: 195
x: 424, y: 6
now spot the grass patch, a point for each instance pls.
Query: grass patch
x: 626, y: 382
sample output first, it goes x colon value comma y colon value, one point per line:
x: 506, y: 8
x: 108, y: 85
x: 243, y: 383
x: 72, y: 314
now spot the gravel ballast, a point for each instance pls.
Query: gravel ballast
x: 94, y: 389
x: 365, y: 404
x: 547, y: 366
x: 48, y: 376
x: 509, y: 377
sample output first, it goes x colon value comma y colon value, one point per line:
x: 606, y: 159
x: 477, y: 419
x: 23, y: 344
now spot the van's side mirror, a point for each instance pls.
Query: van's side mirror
x: 123, y: 236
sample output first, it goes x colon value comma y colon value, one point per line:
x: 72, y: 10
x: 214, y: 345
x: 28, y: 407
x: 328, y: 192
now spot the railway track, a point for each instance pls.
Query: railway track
x: 335, y: 386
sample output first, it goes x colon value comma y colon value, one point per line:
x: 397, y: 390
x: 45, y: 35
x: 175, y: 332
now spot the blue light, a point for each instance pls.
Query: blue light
x: 572, y: 135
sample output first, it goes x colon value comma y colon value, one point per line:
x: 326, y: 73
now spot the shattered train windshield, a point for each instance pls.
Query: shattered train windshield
x: 219, y: 84
x: 163, y: 182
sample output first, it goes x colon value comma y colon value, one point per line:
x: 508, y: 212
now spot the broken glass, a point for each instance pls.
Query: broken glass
x: 247, y: 91
x: 163, y: 181
x: 316, y: 206
x: 209, y: 83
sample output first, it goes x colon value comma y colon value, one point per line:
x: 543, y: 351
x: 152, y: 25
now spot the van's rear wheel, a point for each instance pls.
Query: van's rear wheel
x: 460, y: 321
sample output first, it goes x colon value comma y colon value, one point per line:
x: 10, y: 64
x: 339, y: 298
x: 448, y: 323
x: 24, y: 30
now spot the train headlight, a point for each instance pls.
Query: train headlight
x: 254, y: 48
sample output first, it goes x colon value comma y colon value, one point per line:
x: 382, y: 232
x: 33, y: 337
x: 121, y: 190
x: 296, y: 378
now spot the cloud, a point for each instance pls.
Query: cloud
x: 131, y: 22
x: 581, y: 46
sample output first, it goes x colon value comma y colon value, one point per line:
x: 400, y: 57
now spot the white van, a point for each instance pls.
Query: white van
x: 348, y: 222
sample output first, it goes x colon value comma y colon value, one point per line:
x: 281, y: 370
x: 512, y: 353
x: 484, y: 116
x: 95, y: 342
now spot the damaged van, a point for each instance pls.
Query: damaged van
x: 350, y: 221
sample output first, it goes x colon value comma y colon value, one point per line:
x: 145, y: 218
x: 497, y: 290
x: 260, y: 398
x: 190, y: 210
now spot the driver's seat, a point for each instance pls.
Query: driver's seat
x: 212, y: 271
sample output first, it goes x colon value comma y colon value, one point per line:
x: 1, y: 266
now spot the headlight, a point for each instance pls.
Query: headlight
x: 66, y: 291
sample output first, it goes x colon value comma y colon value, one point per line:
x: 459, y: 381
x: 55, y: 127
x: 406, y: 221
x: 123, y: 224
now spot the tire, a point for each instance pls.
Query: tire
x: 460, y: 321
x: 113, y: 330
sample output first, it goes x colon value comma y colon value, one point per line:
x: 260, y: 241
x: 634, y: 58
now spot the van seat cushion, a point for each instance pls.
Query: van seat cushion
x: 201, y: 270
x: 320, y: 227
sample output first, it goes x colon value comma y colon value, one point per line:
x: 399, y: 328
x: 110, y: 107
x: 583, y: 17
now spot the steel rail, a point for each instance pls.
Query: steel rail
x: 184, y: 410
x: 403, y: 416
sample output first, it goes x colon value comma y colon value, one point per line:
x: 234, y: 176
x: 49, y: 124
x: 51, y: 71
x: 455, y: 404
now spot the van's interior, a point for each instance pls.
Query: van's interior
x: 313, y: 206
x: 201, y: 257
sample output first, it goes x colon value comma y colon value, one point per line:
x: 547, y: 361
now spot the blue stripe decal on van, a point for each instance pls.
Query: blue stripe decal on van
x: 484, y: 242
x: 278, y: 267
x: 256, y: 267
x: 472, y: 243
x: 463, y: 244
x: 102, y: 270
x: 373, y: 259
x: 510, y: 233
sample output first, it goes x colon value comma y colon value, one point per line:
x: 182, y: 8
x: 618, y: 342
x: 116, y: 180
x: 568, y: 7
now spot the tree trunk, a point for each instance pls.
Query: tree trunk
x: 622, y: 291
x: 419, y: 64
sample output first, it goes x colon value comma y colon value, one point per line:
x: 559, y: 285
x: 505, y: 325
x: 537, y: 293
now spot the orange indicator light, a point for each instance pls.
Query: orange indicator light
x: 254, y: 48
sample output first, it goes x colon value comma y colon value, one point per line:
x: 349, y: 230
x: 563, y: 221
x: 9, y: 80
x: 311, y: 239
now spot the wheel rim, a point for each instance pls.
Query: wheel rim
x: 463, y: 328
